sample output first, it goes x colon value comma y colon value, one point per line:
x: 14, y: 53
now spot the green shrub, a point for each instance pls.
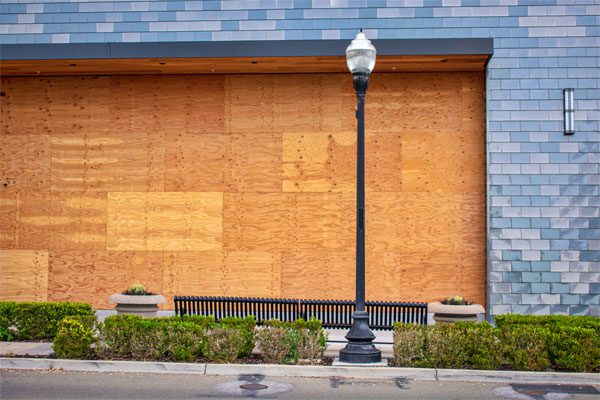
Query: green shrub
x: 574, y: 349
x: 459, y: 345
x: 572, y: 342
x: 7, y: 318
x: 410, y: 345
x: 285, y: 342
x: 135, y: 338
x: 246, y: 327
x: 587, y: 322
x: 524, y: 347
x: 223, y: 345
x: 36, y: 321
x: 182, y: 341
x: 129, y: 337
x: 75, y: 336
x: 275, y: 344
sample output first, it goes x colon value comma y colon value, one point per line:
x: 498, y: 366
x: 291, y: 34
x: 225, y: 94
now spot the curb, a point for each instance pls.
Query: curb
x: 421, y: 374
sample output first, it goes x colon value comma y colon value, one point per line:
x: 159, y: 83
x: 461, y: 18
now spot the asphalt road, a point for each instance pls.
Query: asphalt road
x: 23, y: 384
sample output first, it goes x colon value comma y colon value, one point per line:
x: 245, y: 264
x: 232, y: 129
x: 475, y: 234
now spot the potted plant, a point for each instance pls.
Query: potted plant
x: 455, y: 308
x: 136, y: 300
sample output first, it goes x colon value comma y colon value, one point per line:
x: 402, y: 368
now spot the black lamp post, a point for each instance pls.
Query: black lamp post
x: 360, y: 57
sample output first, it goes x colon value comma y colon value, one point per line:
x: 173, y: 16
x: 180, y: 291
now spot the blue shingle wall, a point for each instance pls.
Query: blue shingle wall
x: 543, y: 217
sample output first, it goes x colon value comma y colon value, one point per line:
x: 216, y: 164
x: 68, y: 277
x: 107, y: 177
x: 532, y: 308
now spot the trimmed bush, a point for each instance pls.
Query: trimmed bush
x: 7, y: 318
x: 562, y: 342
x: 246, y: 327
x: 224, y: 345
x: 285, y: 342
x: 36, y: 321
x: 572, y: 342
x: 275, y: 344
x: 75, y: 336
x: 574, y: 349
x: 524, y: 347
x: 586, y: 322
x: 410, y: 345
x: 132, y: 337
x: 458, y: 345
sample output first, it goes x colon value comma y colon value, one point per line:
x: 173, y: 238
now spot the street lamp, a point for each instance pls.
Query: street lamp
x: 360, y: 58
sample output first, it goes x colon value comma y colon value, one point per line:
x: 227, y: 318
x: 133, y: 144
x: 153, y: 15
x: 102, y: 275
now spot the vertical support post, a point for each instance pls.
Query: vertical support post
x: 360, y: 348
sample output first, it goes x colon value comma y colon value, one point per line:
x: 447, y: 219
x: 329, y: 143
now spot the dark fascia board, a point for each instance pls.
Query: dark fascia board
x: 267, y: 48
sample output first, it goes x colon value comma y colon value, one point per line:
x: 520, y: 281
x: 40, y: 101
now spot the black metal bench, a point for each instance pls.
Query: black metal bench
x: 332, y: 313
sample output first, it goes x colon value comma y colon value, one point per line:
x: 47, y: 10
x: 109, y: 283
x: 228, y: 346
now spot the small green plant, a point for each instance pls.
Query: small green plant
x: 223, y: 345
x: 291, y: 342
x: 74, y: 338
x: 136, y: 289
x: 456, y: 301
x: 275, y: 344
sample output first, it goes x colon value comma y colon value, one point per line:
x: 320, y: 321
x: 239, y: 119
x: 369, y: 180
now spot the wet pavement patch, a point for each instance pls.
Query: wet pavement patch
x: 252, y: 386
x: 523, y: 391
x: 541, y: 390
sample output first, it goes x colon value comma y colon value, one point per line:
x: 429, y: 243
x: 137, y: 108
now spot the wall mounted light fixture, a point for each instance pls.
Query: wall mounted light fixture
x: 569, y: 110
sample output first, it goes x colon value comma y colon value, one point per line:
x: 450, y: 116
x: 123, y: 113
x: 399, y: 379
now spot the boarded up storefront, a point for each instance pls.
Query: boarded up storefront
x: 240, y: 185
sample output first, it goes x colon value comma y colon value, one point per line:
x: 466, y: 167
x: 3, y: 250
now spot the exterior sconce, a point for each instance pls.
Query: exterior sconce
x: 569, y: 110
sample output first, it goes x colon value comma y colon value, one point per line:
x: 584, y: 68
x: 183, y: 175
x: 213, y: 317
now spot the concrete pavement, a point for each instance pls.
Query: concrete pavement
x: 58, y: 384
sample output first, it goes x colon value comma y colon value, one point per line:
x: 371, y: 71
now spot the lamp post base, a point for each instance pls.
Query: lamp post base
x: 360, y: 348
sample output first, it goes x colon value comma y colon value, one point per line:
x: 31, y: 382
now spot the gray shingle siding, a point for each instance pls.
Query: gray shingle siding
x: 543, y: 214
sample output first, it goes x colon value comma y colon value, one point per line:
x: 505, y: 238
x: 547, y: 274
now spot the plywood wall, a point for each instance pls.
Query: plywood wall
x: 240, y: 185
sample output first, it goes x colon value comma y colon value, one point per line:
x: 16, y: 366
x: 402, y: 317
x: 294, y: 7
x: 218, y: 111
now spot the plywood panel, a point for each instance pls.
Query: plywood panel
x: 23, y: 275
x: 315, y: 101
x: 194, y: 273
x: 413, y: 222
x: 317, y: 221
x: 130, y: 161
x: 449, y: 162
x: 72, y: 277
x: 198, y: 162
x: 115, y: 271
x: 25, y: 107
x: 318, y: 275
x: 34, y: 210
x: 249, y: 104
x: 324, y: 162
x: 256, y: 274
x: 258, y: 221
x: 78, y: 221
x: 164, y: 221
x: 255, y: 162
x: 8, y: 219
x: 25, y: 160
x: 93, y: 276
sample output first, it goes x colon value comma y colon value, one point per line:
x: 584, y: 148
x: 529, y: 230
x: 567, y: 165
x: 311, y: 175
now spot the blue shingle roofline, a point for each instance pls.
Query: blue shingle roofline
x: 268, y: 48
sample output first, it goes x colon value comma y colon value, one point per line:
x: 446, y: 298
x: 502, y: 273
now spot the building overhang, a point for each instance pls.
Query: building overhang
x: 279, y: 56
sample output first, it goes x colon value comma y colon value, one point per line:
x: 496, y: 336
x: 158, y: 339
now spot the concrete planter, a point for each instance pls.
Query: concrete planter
x: 146, y: 305
x: 451, y: 313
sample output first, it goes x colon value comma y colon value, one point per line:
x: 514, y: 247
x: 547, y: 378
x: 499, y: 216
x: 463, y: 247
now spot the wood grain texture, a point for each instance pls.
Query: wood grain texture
x: 8, y: 219
x: 25, y: 161
x: 95, y: 275
x: 252, y: 65
x: 164, y: 221
x: 245, y: 184
x: 23, y: 275
x: 318, y: 275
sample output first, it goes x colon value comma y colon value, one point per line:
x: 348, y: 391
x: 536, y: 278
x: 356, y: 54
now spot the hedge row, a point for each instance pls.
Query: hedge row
x: 531, y: 343
x: 36, y: 321
x: 129, y: 337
